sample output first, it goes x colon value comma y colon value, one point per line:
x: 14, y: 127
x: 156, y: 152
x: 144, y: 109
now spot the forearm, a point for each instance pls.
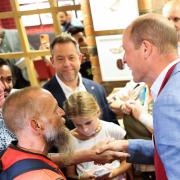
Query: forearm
x: 147, y: 120
x: 76, y: 157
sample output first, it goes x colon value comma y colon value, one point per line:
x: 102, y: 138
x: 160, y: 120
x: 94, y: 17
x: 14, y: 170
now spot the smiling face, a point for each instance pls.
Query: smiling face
x: 63, y: 17
x: 66, y: 60
x: 134, y: 58
x: 54, y: 128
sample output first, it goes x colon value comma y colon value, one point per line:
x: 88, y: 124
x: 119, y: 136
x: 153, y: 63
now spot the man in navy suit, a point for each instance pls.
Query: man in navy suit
x: 66, y: 59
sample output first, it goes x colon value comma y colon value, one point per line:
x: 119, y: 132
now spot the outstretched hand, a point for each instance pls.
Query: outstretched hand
x: 116, y: 146
x: 109, y: 151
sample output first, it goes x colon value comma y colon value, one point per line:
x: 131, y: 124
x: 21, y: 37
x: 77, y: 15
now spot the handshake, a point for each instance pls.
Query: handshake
x: 109, y: 150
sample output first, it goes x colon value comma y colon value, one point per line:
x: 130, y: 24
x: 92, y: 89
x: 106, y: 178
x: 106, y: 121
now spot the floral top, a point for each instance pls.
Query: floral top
x: 5, y: 135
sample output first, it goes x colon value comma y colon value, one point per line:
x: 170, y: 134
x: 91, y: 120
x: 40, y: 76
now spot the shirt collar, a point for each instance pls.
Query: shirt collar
x: 159, y: 80
x: 67, y: 90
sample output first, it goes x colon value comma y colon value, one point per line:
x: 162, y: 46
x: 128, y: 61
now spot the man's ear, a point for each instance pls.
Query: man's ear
x: 52, y: 60
x: 37, y: 125
x: 81, y: 58
x: 147, y: 48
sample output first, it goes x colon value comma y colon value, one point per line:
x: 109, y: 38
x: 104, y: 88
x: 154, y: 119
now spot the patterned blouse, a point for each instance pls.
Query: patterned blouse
x: 5, y: 135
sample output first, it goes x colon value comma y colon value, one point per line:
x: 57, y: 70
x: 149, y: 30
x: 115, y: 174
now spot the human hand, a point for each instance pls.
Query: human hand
x: 113, y: 94
x: 116, y: 107
x: 125, y: 108
x: 104, y: 155
x: 117, y: 146
x: 136, y: 108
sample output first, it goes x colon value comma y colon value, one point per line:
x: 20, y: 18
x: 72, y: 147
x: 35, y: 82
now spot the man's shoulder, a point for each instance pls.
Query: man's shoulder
x: 50, y: 83
x: 177, y: 68
x: 90, y: 82
x: 42, y: 174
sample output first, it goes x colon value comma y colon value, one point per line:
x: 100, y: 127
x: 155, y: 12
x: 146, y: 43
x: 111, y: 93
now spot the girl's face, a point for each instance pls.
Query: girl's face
x: 86, y: 126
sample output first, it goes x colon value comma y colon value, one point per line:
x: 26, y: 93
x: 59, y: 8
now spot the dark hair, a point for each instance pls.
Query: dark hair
x: 75, y: 29
x: 63, y: 38
x: 4, y: 62
x: 65, y: 12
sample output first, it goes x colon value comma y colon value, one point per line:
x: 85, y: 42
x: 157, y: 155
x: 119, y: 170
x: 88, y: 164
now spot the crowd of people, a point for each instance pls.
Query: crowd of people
x: 71, y: 124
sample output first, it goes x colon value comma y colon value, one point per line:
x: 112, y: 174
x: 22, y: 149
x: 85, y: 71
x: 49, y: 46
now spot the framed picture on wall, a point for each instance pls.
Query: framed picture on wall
x: 109, y: 52
x: 117, y: 14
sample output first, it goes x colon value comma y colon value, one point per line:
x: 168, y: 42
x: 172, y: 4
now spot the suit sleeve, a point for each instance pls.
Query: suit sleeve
x: 141, y: 151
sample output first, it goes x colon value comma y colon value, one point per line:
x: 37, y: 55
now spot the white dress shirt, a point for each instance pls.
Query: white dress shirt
x: 159, y: 80
x: 67, y: 90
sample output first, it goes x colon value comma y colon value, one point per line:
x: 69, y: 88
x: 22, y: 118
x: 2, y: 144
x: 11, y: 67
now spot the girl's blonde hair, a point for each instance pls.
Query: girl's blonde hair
x: 81, y: 104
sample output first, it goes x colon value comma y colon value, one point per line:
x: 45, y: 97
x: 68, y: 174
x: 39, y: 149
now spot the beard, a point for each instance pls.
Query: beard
x: 60, y: 137
x: 178, y: 35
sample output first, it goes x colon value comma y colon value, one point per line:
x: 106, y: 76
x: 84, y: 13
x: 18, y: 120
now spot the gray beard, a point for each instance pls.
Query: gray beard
x: 60, y: 137
x: 178, y: 36
x: 63, y: 140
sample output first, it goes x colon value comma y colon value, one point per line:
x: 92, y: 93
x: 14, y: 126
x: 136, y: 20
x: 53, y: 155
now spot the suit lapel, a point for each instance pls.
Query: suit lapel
x: 89, y: 87
x: 58, y: 92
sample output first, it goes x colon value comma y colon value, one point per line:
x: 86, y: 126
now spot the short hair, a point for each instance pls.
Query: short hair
x: 64, y: 38
x: 65, y: 12
x: 81, y: 104
x: 4, y: 62
x: 21, y: 105
x: 75, y: 29
x: 156, y: 29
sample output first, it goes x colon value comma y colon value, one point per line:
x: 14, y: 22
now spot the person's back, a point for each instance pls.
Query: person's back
x: 20, y: 172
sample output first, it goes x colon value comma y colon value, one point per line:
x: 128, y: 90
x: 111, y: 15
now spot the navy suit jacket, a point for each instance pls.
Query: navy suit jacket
x: 92, y: 87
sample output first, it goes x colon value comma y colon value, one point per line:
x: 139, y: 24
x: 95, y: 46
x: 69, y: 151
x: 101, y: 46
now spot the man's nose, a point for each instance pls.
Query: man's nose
x: 61, y: 112
x: 66, y: 62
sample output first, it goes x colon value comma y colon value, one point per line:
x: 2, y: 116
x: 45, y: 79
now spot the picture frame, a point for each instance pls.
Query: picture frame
x: 117, y: 14
x: 109, y: 51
